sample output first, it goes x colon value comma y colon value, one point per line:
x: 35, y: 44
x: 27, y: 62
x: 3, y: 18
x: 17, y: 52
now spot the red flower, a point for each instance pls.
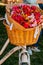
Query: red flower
x: 26, y: 9
x: 25, y: 25
x: 17, y: 9
x: 33, y: 8
x: 37, y: 15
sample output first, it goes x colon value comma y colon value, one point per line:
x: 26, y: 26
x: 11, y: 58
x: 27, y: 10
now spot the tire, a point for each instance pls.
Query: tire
x: 24, y: 63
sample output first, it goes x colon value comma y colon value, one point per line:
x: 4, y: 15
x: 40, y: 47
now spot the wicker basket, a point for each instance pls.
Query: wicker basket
x: 22, y: 37
x: 19, y: 35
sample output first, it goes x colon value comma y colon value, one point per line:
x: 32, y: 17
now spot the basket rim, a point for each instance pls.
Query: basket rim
x: 19, y: 29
